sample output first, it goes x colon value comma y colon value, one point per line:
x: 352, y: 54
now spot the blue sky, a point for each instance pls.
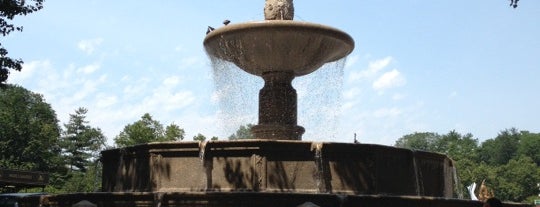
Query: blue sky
x: 436, y: 66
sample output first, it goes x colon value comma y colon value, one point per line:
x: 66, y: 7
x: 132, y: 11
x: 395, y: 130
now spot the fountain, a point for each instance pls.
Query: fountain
x: 277, y: 168
x: 278, y: 51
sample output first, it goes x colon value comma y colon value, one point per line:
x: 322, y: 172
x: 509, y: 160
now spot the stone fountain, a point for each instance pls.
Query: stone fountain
x: 277, y: 168
x: 278, y: 49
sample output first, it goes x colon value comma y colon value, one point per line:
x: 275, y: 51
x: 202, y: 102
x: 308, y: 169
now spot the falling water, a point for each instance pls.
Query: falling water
x: 455, y: 177
x: 319, y: 101
x: 319, y: 98
x: 317, y: 147
x: 417, y: 172
x: 202, y: 150
x: 237, y: 95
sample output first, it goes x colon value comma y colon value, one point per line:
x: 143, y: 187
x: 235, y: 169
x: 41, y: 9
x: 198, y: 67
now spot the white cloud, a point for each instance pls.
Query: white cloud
x: 134, y: 88
x: 387, y: 113
x: 351, y: 93
x: 88, y: 46
x: 166, y: 96
x: 179, y: 48
x: 348, y: 105
x: 84, y: 89
x: 190, y: 62
x: 106, y: 100
x: 379, y: 64
x: 372, y: 70
x: 89, y: 69
x: 453, y: 94
x: 28, y: 70
x: 178, y: 100
x: 398, y: 96
x: 388, y: 80
x: 351, y: 60
x: 171, y: 81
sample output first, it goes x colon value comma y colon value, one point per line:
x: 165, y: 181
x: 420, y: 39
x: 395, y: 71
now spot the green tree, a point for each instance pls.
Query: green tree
x: 199, y: 137
x: 466, y: 172
x: 29, y: 135
x: 9, y: 9
x: 516, y: 180
x: 147, y: 130
x: 29, y: 127
x: 174, y: 132
x: 81, y: 143
x: 529, y: 146
x: 458, y: 146
x: 500, y: 150
x: 243, y: 132
x: 89, y: 181
x: 418, y: 141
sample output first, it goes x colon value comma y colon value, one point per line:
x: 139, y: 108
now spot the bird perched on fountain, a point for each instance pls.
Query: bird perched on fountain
x: 513, y: 3
x: 278, y: 10
x: 226, y: 22
x: 210, y: 29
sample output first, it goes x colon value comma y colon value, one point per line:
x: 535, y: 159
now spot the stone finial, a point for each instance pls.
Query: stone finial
x: 279, y: 10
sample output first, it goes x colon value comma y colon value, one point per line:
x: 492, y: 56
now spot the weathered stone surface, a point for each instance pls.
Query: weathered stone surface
x: 276, y: 166
x: 279, y: 10
x: 278, y: 45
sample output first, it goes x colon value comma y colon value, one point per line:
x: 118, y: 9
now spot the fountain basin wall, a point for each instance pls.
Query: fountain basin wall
x: 276, y: 166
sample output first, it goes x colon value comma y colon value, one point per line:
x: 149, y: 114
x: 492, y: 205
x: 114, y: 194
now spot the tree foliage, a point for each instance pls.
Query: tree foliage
x: 9, y: 9
x: 516, y: 180
x: 529, y: 145
x: 29, y: 127
x: 458, y: 146
x: 201, y: 138
x: 419, y: 141
x: 148, y: 130
x: 81, y: 143
x: 29, y: 133
x: 243, y: 132
x: 174, y: 132
x: 89, y: 181
x: 500, y: 150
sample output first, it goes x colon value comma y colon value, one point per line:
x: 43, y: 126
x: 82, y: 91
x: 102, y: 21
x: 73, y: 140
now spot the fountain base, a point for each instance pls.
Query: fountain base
x: 266, y: 173
x: 281, y: 132
x: 276, y: 166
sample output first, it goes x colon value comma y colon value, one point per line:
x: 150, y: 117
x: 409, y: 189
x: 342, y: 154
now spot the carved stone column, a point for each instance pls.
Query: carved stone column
x: 278, y: 108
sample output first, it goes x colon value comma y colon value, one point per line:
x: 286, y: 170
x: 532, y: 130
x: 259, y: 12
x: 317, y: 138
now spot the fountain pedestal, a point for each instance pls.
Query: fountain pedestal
x: 278, y: 108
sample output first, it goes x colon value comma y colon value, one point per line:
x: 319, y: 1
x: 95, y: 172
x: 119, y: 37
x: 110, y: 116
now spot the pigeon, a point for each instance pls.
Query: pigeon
x: 226, y: 22
x: 513, y: 3
x: 210, y: 29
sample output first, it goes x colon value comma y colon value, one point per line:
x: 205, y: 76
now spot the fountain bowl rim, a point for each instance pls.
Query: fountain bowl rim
x: 274, y: 23
x: 345, y: 44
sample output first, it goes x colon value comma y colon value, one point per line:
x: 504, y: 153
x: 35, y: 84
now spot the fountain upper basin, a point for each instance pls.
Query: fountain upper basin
x: 278, y: 45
